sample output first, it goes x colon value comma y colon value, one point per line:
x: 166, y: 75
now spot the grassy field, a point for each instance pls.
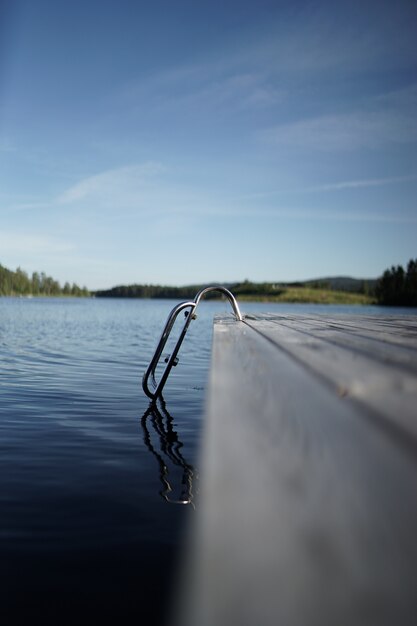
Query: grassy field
x: 311, y: 296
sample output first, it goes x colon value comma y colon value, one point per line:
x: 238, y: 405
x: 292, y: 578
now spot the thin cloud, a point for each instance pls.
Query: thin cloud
x: 358, y: 184
x: 345, y: 132
x: 404, y: 99
x: 217, y: 210
x: 111, y: 184
x: 220, y: 87
x: 260, y: 72
x: 329, y: 216
x: 134, y: 190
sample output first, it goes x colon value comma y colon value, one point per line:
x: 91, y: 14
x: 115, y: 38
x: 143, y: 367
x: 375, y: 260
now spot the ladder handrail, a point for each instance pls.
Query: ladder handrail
x: 172, y: 359
x: 227, y: 293
x: 150, y: 370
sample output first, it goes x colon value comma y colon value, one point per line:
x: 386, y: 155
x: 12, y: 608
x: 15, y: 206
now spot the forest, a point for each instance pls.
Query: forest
x: 19, y: 283
x: 341, y: 290
x: 397, y: 286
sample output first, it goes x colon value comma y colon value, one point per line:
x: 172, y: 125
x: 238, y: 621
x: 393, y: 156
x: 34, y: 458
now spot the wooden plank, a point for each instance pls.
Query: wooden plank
x: 381, y: 376
x: 396, y: 354
x: 375, y: 345
x: 308, y: 512
x: 385, y: 331
x: 401, y: 332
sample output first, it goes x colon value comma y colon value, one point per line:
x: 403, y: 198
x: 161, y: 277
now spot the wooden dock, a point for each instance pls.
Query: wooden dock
x: 308, y: 506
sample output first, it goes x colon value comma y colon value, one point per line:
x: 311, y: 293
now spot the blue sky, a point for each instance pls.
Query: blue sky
x: 202, y: 141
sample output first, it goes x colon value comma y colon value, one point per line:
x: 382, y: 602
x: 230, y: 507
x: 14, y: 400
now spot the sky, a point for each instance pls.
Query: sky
x: 187, y: 141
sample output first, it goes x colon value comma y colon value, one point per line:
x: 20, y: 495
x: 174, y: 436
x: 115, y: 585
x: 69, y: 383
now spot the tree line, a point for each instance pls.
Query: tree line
x: 19, y: 283
x: 398, y: 287
x: 185, y: 292
x: 242, y: 289
x: 149, y: 291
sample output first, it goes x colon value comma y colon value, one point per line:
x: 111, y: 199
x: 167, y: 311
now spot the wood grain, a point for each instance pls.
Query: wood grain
x: 308, y: 509
x: 379, y: 374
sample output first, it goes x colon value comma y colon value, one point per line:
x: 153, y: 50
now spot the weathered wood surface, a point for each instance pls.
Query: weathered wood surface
x: 308, y: 511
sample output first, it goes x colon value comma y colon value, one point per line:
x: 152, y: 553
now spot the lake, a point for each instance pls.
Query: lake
x: 90, y: 476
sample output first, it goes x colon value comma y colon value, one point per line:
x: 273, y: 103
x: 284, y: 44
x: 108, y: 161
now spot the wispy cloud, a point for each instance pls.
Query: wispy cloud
x: 312, y: 43
x: 347, y: 132
x: 224, y: 87
x: 110, y: 185
x: 139, y: 190
x: 233, y: 91
x: 330, y: 216
x: 358, y: 184
x: 325, y: 36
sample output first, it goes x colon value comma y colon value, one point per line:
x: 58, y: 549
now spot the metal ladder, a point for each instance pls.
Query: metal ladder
x: 189, y: 309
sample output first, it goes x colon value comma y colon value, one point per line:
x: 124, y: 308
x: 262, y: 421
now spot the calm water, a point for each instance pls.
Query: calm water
x: 87, y: 532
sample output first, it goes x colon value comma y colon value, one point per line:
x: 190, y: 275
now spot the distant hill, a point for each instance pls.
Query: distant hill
x: 344, y: 283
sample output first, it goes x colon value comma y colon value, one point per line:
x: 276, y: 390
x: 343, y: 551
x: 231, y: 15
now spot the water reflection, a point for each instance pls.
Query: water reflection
x: 163, y: 442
